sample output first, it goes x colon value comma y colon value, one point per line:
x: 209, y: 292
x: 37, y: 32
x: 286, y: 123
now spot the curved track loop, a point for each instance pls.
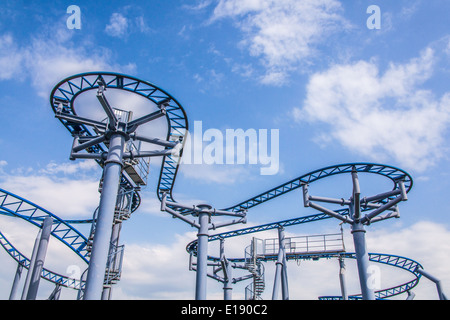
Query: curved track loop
x: 387, y: 259
x: 392, y: 260
x: 70, y: 88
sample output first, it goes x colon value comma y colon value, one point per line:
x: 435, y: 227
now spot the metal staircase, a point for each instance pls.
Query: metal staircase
x: 125, y: 206
x: 254, y: 265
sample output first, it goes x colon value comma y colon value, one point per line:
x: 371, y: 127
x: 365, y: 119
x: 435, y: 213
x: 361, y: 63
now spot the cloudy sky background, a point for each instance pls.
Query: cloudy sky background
x: 336, y: 90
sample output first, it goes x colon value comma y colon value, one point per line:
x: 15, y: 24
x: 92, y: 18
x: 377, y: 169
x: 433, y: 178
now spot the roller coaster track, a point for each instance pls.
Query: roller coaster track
x: 70, y: 88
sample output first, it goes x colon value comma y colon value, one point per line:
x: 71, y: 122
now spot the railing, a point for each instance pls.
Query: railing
x: 138, y: 169
x: 307, y: 244
x: 114, y: 264
x: 124, y: 204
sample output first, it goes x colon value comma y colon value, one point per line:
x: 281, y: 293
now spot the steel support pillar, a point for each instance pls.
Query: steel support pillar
x: 12, y: 295
x: 202, y: 256
x: 362, y: 259
x: 281, y: 269
x: 104, y: 223
x: 40, y: 259
x: 435, y: 280
x: 276, y: 282
x: 227, y: 285
x: 56, y: 293
x: 30, y: 266
x: 342, y: 278
x: 227, y: 271
x: 284, y: 277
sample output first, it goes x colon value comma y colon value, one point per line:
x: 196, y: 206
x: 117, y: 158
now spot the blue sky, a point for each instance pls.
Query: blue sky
x: 336, y: 90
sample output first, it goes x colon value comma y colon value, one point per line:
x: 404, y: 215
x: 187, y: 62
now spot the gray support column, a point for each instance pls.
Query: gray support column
x: 40, y: 259
x: 284, y: 278
x: 12, y: 295
x: 227, y: 271
x: 202, y: 257
x: 277, y: 278
x: 103, y: 230
x: 362, y: 259
x: 342, y: 278
x: 106, y: 293
x: 227, y: 285
x: 31, y: 265
x: 281, y: 269
x: 411, y: 295
x: 56, y: 293
x: 435, y: 280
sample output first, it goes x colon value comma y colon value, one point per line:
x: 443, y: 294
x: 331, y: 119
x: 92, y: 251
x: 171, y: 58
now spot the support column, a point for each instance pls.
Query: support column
x: 281, y: 269
x: 227, y: 271
x: 227, y: 285
x: 103, y: 229
x: 202, y: 257
x: 342, y: 278
x: 362, y: 259
x: 40, y: 259
x: 31, y: 265
x: 12, y: 295
x: 435, y: 280
x: 284, y: 279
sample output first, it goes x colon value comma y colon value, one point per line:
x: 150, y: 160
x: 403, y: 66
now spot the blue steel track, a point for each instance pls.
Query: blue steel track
x: 69, y: 89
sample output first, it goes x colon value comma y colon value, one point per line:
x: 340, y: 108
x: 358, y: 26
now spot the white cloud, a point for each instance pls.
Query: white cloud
x: 380, y: 115
x: 118, y: 25
x: 121, y: 25
x: 157, y: 271
x: 10, y: 57
x: 74, y: 195
x: 46, y: 60
x: 283, y: 33
x: 69, y: 167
